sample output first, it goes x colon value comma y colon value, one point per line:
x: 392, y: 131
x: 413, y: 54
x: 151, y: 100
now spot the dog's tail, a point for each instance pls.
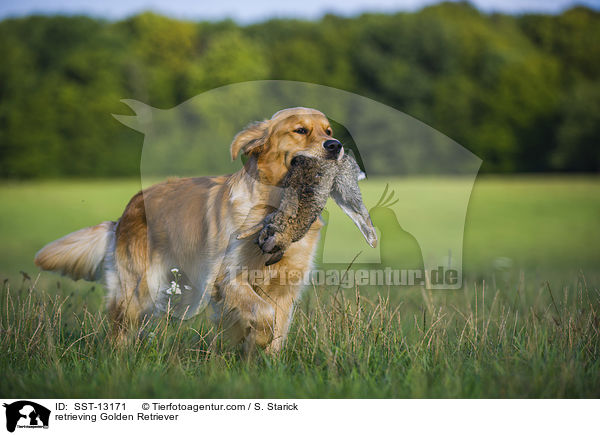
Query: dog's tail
x: 80, y: 254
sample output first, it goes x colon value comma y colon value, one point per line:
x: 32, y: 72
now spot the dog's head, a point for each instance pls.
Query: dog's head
x: 301, y: 131
x: 289, y: 133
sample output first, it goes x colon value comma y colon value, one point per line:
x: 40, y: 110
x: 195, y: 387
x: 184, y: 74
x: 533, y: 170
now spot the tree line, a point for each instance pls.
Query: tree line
x: 521, y: 92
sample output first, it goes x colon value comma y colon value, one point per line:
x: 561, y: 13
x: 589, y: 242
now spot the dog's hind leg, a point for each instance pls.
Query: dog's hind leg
x: 129, y: 297
x: 128, y: 305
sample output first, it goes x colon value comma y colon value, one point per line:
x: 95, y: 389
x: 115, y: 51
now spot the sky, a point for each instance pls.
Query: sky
x: 258, y: 10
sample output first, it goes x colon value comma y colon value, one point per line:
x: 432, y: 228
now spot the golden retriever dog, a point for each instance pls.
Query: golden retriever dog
x: 188, y: 226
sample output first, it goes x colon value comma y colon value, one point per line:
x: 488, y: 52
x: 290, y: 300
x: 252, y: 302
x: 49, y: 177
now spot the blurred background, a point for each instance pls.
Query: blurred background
x: 518, y: 88
x: 515, y: 83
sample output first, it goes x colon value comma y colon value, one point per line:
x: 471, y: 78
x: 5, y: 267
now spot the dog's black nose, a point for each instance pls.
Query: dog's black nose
x: 333, y: 146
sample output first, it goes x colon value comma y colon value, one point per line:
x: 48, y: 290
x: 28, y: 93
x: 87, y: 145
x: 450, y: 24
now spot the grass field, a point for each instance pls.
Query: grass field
x: 525, y: 324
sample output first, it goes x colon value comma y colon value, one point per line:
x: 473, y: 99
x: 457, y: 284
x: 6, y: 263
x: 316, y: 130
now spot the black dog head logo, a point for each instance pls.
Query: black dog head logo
x: 26, y: 413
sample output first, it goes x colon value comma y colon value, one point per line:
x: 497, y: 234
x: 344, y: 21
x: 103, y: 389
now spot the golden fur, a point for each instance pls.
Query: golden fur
x: 191, y: 224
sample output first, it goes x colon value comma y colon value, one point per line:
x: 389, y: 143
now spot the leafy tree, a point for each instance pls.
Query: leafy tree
x: 521, y: 92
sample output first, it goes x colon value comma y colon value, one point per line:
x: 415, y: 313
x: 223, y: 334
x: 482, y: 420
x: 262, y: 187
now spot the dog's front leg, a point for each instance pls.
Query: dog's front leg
x: 244, y: 316
x: 283, y: 299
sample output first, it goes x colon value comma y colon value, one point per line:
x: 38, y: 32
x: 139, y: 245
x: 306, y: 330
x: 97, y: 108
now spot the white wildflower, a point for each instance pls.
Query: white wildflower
x: 174, y: 289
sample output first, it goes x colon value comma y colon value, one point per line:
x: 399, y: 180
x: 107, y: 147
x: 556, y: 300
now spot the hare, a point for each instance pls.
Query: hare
x: 307, y: 186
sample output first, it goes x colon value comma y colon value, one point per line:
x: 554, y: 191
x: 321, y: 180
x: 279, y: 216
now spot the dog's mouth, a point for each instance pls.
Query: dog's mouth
x: 337, y: 156
x: 292, y: 160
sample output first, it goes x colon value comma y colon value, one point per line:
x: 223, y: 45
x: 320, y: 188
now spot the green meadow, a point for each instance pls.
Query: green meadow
x: 524, y: 324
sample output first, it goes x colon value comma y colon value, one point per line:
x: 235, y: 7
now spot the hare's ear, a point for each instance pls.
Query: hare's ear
x: 251, y: 139
x: 346, y: 193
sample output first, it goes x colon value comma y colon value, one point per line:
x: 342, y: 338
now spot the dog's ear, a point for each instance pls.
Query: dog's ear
x: 250, y: 140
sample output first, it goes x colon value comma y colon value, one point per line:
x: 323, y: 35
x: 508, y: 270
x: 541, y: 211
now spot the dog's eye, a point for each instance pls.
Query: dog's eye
x: 328, y: 132
x: 301, y: 130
